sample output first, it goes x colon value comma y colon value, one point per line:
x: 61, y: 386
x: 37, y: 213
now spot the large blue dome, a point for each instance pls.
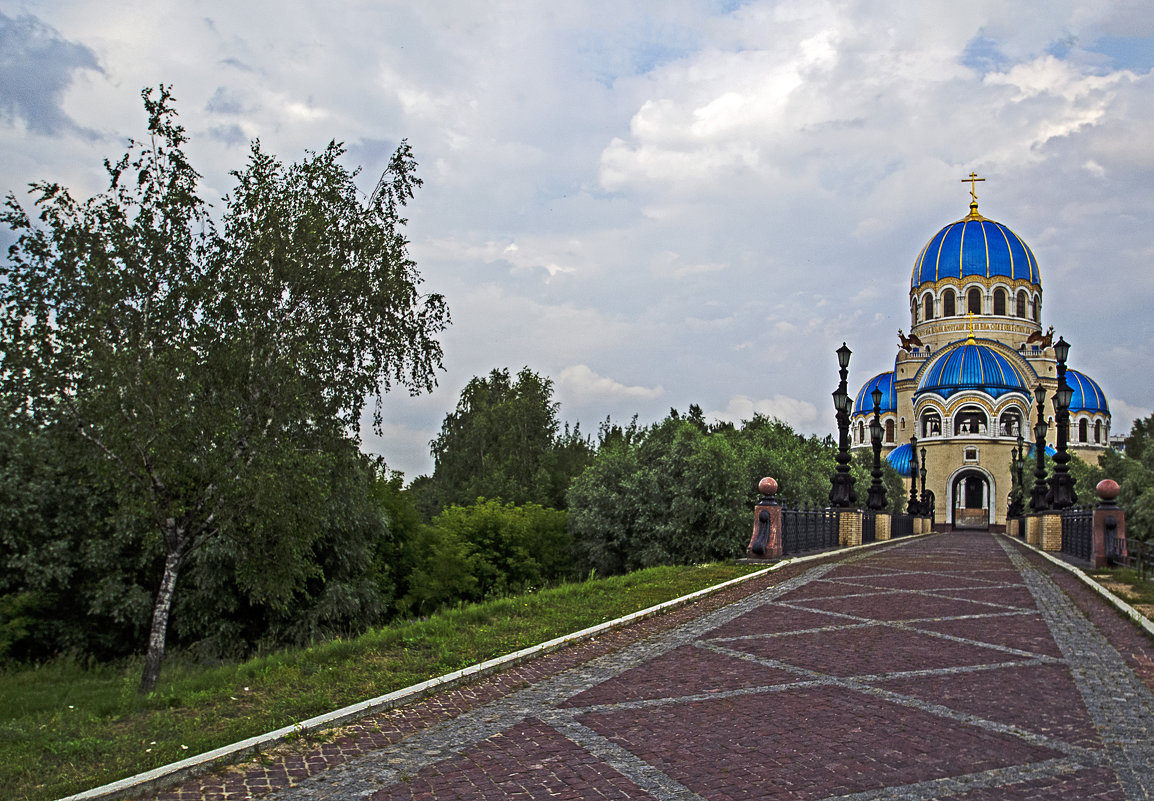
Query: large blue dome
x: 975, y: 246
x: 902, y: 459
x: 1088, y: 396
x: 864, y: 403
x: 971, y: 366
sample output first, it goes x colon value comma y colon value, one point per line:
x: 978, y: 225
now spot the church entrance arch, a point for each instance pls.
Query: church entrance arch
x: 970, y: 503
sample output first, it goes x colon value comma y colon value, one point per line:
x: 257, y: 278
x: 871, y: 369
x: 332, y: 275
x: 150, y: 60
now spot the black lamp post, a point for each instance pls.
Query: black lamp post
x: 1038, y: 496
x: 1062, y: 483
x: 925, y: 507
x: 877, y: 494
x: 841, y: 492
x: 912, y: 506
x: 1017, y: 494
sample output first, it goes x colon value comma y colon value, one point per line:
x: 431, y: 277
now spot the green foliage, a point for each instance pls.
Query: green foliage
x: 213, y: 378
x: 680, y: 491
x: 486, y: 550
x: 504, y: 441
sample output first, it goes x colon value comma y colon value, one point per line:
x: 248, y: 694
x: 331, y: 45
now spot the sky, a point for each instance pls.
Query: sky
x: 654, y: 204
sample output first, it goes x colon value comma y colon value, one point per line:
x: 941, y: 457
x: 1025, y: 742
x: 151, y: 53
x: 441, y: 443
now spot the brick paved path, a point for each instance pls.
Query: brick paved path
x: 955, y: 666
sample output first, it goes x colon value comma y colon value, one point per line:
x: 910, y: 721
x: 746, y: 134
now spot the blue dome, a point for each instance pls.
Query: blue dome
x: 1088, y: 396
x: 902, y: 460
x: 975, y: 246
x: 971, y: 366
x: 864, y: 404
x: 1050, y: 451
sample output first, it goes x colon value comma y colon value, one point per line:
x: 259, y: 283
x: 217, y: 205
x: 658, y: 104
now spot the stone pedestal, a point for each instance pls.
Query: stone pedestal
x: 1034, y: 530
x: 883, y: 525
x: 1051, y: 531
x: 849, y: 527
x: 1012, y: 527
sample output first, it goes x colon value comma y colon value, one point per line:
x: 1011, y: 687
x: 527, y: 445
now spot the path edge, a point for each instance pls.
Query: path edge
x: 1122, y: 606
x: 174, y: 772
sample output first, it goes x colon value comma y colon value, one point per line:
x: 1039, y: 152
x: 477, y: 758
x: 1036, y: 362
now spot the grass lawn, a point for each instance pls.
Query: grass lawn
x: 64, y: 728
x: 1126, y: 584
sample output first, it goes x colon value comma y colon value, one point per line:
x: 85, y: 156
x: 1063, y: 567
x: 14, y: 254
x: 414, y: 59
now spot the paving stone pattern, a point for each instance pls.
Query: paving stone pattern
x: 952, y: 666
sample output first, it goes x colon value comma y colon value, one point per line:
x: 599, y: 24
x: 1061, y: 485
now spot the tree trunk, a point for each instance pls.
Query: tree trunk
x: 160, y: 610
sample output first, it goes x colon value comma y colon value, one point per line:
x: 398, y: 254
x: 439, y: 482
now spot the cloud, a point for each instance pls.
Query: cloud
x: 579, y: 384
x: 800, y: 414
x: 36, y: 68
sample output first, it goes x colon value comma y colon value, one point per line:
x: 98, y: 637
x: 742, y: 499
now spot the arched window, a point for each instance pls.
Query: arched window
x: 1021, y: 310
x: 1000, y: 301
x: 889, y: 430
x: 971, y: 420
x: 1083, y: 430
x: 931, y: 424
x: 914, y: 312
x: 902, y: 424
x: 927, y: 306
x: 1010, y: 423
x: 948, y: 303
x: 1037, y: 308
x: 974, y: 301
x: 860, y: 431
x: 1098, y: 432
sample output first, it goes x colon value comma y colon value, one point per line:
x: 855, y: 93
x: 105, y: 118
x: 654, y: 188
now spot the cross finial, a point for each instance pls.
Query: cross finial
x: 970, y: 320
x: 973, y: 179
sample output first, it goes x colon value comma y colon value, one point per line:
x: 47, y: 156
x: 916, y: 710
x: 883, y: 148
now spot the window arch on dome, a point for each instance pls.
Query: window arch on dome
x: 971, y: 420
x: 948, y: 308
x: 1097, y: 432
x: 1083, y: 430
x: 974, y: 301
x: 890, y: 430
x: 931, y: 424
x: 1037, y: 308
x: 927, y: 306
x: 860, y: 431
x: 1021, y: 310
x: 1010, y: 422
x: 1000, y: 302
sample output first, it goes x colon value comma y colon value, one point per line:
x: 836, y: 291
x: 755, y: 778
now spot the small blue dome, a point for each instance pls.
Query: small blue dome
x: 901, y: 459
x: 864, y: 403
x: 1088, y: 396
x: 1050, y: 451
x: 975, y: 246
x: 971, y: 366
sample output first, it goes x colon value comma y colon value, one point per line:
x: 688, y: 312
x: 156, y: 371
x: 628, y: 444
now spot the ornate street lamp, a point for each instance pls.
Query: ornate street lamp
x: 912, y: 506
x: 1017, y: 494
x: 841, y: 492
x: 1062, y: 483
x: 877, y: 494
x: 925, y: 508
x: 1038, y: 501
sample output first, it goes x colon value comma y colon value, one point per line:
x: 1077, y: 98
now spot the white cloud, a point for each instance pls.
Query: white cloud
x: 800, y: 414
x: 579, y: 384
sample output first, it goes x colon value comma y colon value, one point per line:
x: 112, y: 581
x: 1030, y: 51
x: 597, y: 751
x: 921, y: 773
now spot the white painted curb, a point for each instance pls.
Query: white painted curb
x: 1121, y: 605
x: 167, y: 775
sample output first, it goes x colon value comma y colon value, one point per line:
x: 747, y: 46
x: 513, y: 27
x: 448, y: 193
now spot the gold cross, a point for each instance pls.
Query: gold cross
x: 970, y: 316
x: 973, y: 179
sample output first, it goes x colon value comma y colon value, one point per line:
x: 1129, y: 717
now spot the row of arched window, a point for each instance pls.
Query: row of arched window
x: 952, y: 304
x: 1084, y: 430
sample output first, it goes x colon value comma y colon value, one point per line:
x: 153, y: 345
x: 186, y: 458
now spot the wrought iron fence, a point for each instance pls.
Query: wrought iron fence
x: 1139, y: 555
x: 808, y: 529
x: 901, y: 526
x: 1078, y: 531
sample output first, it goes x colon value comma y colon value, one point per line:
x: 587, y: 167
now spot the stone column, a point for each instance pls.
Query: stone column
x: 1034, y: 530
x: 766, y: 540
x: 1109, y: 521
x: 1051, y: 531
x: 883, y: 526
x: 849, y: 527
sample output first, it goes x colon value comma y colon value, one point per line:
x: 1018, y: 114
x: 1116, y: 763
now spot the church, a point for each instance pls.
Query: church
x: 965, y: 377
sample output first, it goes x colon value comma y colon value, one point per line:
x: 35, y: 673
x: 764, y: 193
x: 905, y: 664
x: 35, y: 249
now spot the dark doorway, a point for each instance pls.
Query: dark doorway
x: 971, y: 507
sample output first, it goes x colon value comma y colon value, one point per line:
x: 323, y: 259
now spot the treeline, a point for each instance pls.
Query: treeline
x: 516, y: 501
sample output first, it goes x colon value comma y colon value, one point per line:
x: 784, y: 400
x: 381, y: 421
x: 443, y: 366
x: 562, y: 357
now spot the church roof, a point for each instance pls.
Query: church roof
x: 902, y: 459
x: 864, y: 403
x: 975, y: 246
x: 971, y: 366
x: 1088, y: 396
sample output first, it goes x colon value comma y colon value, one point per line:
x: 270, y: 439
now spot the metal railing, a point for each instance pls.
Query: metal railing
x: 1078, y: 532
x: 1139, y: 555
x: 808, y: 529
x: 901, y: 526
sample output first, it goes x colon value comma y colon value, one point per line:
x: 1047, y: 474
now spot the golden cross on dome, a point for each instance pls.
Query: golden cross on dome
x: 970, y: 318
x: 973, y: 179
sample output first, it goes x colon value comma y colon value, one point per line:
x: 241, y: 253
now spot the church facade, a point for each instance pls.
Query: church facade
x: 964, y: 379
